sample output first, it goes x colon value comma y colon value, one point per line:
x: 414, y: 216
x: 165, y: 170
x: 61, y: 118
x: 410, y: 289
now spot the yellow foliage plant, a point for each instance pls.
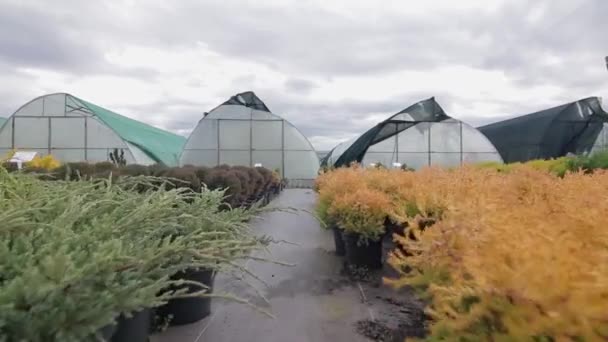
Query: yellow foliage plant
x: 361, y: 211
x: 332, y: 184
x: 47, y: 162
x: 517, y: 256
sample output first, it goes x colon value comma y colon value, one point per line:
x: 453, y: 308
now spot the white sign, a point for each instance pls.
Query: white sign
x: 25, y: 156
x: 22, y: 157
x: 397, y: 164
x: 257, y: 165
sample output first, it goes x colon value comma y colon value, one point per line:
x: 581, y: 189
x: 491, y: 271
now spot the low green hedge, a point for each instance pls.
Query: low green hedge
x: 559, y: 166
x: 242, y: 184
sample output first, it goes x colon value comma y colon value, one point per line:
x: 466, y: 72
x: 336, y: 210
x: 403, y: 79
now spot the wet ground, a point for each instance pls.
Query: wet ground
x: 318, y: 299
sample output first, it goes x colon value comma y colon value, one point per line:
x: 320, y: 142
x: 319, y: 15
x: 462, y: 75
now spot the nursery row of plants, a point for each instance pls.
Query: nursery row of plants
x: 558, y: 166
x: 243, y: 185
x: 499, y: 253
x: 96, y: 260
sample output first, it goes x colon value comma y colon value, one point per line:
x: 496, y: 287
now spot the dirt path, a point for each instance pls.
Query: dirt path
x: 313, y: 301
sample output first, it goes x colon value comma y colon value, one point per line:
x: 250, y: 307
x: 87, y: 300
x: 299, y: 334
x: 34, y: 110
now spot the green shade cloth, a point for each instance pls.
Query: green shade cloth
x: 162, y: 146
x: 551, y: 133
x: 424, y: 111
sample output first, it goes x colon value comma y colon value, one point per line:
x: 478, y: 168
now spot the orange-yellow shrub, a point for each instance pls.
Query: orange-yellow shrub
x: 47, y: 162
x: 361, y: 211
x: 517, y: 255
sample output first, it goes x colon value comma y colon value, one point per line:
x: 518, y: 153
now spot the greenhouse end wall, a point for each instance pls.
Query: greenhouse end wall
x: 420, y: 135
x: 235, y: 134
x: 448, y: 143
x: 60, y: 125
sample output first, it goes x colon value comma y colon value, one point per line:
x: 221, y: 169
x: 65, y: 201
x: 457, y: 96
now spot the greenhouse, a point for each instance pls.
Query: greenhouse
x: 420, y: 135
x: 74, y: 130
x: 243, y: 131
x: 577, y: 127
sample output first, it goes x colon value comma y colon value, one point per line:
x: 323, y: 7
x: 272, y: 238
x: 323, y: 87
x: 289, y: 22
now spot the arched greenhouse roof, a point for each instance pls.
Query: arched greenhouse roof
x: 243, y: 131
x: 83, y: 131
x: 577, y: 127
x: 420, y: 135
x: 162, y: 146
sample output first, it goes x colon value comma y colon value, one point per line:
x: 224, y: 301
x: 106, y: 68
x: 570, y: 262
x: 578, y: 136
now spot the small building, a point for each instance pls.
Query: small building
x: 420, y: 135
x: 73, y: 130
x: 243, y: 131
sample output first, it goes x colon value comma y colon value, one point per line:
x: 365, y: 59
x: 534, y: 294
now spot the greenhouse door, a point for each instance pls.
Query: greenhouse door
x: 251, y: 142
x: 267, y: 144
x: 234, y: 142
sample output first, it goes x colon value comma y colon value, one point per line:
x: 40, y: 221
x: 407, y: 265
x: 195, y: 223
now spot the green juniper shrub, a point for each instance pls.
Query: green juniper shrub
x: 267, y: 177
x: 42, y: 172
x: 257, y: 180
x: 74, y: 171
x: 201, y: 173
x: 248, y: 183
x: 179, y: 177
x: 104, y: 170
x: 157, y: 170
x: 10, y: 167
x: 588, y: 163
x: 134, y: 170
x: 76, y: 255
x: 219, y: 178
x: 246, y: 187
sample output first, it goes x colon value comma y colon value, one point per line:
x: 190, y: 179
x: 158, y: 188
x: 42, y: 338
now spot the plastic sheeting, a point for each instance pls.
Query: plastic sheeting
x: 420, y: 135
x: 72, y: 130
x: 243, y: 131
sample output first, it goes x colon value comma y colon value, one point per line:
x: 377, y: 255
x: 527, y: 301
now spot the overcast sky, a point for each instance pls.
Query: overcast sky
x: 332, y: 67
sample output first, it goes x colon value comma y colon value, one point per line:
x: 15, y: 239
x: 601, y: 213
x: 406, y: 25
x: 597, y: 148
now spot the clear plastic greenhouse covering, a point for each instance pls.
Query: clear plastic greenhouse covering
x: 420, y: 135
x: 74, y: 130
x: 577, y: 127
x: 243, y: 131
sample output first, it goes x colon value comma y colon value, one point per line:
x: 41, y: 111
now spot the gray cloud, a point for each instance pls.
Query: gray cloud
x: 310, y: 45
x: 298, y: 85
x: 67, y: 39
x: 341, y: 117
x: 29, y: 37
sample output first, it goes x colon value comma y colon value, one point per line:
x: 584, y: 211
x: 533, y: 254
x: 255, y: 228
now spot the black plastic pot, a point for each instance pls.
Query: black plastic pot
x: 266, y: 198
x: 393, y: 228
x: 338, y: 241
x: 362, y: 255
x: 133, y: 329
x: 181, y: 311
x: 107, y: 332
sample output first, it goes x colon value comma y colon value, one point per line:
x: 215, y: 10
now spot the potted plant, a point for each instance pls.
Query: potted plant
x: 205, y: 226
x: 186, y: 310
x: 321, y: 209
x: 134, y: 327
x: 103, y: 254
x: 361, y: 214
x: 276, y: 181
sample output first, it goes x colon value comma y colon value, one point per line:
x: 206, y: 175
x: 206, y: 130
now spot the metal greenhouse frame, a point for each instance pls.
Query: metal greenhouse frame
x: 73, y: 130
x: 243, y: 131
x: 420, y: 135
